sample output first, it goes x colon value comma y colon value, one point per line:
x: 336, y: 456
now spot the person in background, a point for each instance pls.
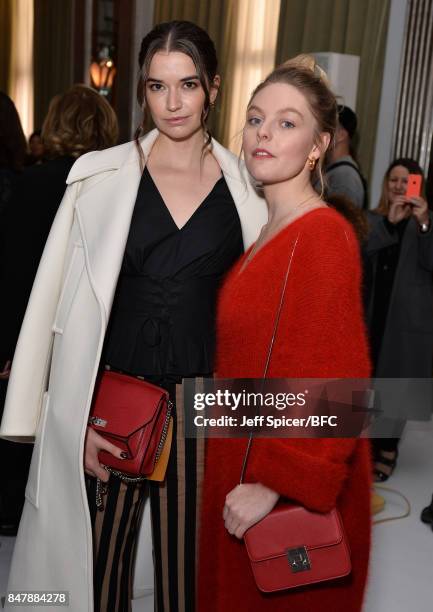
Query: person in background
x: 427, y: 514
x: 12, y: 158
x: 78, y: 121
x: 342, y: 173
x: 12, y: 148
x: 37, y: 149
x: 358, y: 219
x: 399, y: 252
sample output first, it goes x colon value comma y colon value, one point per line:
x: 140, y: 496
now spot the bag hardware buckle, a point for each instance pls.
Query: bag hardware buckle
x: 94, y: 420
x: 298, y: 559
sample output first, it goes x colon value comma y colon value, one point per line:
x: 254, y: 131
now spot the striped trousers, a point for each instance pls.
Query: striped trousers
x: 175, y: 512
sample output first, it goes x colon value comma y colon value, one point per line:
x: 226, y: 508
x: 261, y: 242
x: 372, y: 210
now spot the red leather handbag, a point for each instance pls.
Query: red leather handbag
x: 292, y: 546
x: 135, y: 416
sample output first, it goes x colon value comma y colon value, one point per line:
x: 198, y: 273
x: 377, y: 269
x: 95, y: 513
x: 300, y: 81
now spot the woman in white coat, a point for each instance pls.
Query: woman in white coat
x: 192, y: 194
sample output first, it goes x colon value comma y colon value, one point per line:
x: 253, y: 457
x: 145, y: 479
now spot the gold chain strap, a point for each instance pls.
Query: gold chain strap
x: 271, y: 346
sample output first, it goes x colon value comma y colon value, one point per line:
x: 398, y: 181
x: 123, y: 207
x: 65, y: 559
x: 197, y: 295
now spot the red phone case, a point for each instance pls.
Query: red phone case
x: 413, y: 186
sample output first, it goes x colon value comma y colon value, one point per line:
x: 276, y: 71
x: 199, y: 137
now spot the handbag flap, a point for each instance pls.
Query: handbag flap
x: 125, y: 404
x: 290, y: 526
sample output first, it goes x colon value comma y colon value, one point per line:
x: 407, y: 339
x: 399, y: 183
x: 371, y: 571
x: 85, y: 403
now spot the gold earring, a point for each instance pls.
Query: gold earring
x: 312, y: 163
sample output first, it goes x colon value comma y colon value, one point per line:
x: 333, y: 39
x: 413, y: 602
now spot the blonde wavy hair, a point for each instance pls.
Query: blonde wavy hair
x: 79, y: 121
x: 311, y: 80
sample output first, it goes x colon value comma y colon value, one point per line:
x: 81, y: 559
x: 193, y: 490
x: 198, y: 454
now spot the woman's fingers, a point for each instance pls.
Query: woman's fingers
x: 231, y: 524
x: 101, y: 473
x: 4, y: 374
x: 419, y: 209
x: 246, y: 505
x: 417, y: 201
x: 233, y: 521
x: 240, y: 531
x: 235, y: 526
x: 93, y: 467
x: 95, y: 443
x: 230, y: 520
x: 110, y: 448
x: 90, y: 472
x: 418, y: 204
x: 399, y: 209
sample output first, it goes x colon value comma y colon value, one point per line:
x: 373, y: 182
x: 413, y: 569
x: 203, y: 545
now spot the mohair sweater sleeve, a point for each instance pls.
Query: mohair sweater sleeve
x: 321, y: 334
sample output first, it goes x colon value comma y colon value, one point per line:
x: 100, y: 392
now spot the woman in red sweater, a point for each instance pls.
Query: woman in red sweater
x: 290, y: 123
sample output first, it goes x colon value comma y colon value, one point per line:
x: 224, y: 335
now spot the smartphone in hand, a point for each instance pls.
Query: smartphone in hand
x: 413, y: 186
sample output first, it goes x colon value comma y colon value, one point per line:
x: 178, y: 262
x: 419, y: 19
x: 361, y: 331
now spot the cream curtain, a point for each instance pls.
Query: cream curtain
x: 5, y: 43
x: 52, y: 61
x: 357, y: 27
x: 21, y: 71
x: 251, y: 57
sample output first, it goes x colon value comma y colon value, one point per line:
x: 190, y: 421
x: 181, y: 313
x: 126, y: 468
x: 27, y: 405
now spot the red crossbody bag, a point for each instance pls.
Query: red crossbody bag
x: 292, y: 546
x: 135, y: 415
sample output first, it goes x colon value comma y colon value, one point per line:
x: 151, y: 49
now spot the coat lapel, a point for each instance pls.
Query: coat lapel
x: 252, y: 209
x: 231, y: 168
x: 104, y: 213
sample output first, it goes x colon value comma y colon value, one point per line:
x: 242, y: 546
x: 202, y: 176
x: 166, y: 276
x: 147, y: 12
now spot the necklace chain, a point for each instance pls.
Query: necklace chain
x: 264, y: 228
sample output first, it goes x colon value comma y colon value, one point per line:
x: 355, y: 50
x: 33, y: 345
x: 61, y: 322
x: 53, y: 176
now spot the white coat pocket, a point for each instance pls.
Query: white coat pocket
x: 32, y: 488
x: 70, y: 286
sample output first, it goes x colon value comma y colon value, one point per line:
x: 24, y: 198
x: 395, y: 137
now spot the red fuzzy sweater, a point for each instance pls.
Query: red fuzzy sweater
x: 321, y: 334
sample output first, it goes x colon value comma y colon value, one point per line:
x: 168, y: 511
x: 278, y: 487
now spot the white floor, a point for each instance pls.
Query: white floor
x: 401, y: 572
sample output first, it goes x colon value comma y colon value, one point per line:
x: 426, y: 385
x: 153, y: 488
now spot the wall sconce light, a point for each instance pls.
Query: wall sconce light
x: 102, y: 74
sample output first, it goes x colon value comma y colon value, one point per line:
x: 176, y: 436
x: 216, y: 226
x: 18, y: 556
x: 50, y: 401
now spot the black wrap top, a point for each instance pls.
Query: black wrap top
x: 162, y: 323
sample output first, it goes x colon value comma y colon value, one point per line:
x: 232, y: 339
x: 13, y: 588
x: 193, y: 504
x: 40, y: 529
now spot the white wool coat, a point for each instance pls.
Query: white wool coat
x: 58, y: 354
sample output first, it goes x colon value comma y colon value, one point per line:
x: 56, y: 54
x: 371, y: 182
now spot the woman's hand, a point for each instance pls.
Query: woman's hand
x: 4, y: 374
x: 93, y: 444
x: 419, y: 209
x: 399, y: 209
x: 246, y: 505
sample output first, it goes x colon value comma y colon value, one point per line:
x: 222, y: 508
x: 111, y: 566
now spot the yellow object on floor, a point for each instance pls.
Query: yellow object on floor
x: 377, y: 502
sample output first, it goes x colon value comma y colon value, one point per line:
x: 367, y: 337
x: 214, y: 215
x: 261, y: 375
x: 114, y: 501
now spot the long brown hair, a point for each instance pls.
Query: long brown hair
x: 79, y: 121
x: 303, y: 73
x: 185, y: 37
x: 408, y: 163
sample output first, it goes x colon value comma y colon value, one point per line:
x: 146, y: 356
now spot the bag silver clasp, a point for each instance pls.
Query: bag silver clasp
x: 299, y: 560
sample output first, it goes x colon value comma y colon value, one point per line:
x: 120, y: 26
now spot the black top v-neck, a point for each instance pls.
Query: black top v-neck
x: 170, y: 216
x: 162, y: 322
